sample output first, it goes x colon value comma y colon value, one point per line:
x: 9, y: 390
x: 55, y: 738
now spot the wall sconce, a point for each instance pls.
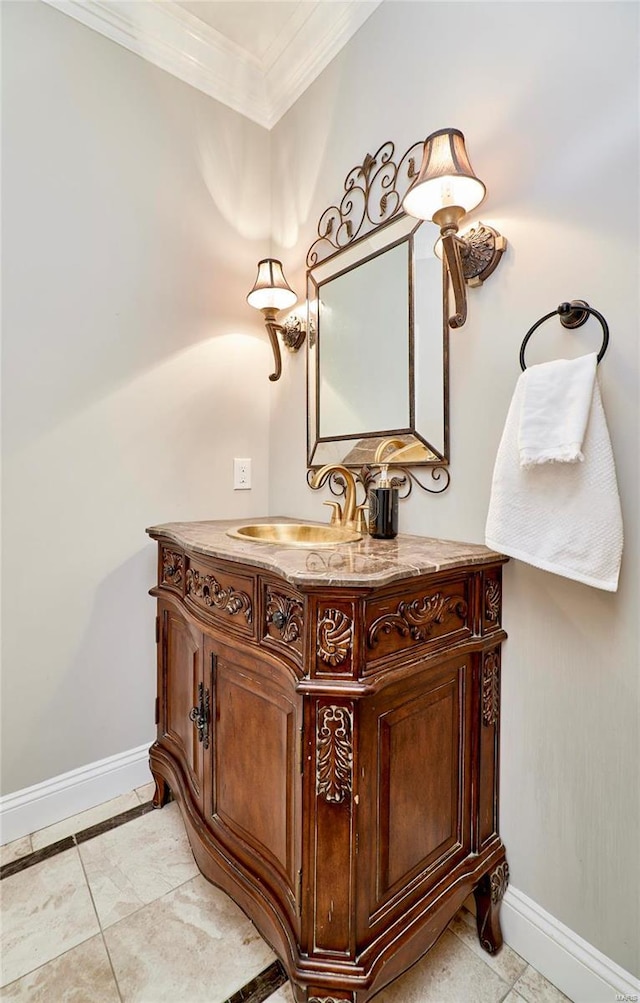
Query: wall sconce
x: 272, y: 293
x: 444, y: 191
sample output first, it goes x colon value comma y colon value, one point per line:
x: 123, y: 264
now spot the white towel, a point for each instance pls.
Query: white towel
x: 555, y: 409
x: 562, y: 517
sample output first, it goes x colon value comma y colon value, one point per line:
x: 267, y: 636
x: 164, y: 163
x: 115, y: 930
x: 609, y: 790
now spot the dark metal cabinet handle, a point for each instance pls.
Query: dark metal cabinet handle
x: 200, y: 715
x: 278, y: 619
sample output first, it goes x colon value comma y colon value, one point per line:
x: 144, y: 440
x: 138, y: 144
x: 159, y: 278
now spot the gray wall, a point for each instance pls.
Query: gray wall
x: 133, y: 217
x: 547, y: 96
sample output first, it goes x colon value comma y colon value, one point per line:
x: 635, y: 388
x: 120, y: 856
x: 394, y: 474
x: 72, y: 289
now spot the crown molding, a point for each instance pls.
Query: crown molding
x: 168, y: 36
x: 326, y: 30
x: 172, y: 38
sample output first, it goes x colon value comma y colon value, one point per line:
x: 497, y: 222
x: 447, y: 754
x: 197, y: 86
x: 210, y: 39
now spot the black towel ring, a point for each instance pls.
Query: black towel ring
x: 572, y: 315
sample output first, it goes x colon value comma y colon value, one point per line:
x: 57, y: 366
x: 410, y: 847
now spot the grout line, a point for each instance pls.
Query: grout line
x: 95, y: 909
x: 113, y: 971
x: 60, y: 845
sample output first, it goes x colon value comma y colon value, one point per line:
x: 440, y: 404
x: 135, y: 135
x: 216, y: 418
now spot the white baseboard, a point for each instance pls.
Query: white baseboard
x: 54, y: 800
x: 582, y: 972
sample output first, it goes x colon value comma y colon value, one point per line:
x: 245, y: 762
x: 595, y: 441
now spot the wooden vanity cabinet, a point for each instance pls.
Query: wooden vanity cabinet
x: 334, y: 752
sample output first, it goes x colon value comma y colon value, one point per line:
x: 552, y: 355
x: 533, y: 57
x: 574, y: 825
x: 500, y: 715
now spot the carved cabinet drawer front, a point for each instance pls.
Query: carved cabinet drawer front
x: 283, y: 619
x: 225, y: 597
x: 432, y: 615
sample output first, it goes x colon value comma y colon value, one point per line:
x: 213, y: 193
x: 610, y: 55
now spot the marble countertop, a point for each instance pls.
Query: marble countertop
x: 366, y: 563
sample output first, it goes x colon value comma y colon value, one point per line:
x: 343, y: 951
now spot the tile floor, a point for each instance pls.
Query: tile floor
x: 126, y: 917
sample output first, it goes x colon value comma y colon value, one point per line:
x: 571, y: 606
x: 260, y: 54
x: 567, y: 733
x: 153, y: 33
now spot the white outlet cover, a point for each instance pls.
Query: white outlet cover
x: 242, y: 474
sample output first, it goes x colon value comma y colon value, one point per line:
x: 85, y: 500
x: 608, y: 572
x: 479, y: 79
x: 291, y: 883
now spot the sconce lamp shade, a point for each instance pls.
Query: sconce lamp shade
x: 446, y: 178
x: 271, y: 291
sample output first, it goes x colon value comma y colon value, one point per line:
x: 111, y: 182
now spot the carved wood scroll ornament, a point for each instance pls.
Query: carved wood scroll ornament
x: 209, y: 589
x: 417, y: 618
x: 335, y: 632
x: 334, y: 752
x: 325, y: 999
x: 489, y: 893
x: 490, y: 688
x: 492, y: 599
x: 286, y: 615
x: 499, y: 882
x: 172, y: 567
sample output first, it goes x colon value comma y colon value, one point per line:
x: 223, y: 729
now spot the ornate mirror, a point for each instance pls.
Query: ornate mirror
x: 378, y: 345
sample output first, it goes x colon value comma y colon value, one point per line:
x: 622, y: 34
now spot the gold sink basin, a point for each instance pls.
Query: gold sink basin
x: 295, y: 534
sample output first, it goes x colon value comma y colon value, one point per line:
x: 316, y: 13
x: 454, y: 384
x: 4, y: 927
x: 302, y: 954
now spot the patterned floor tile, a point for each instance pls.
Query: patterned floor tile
x: 14, y: 850
x: 141, y: 861
x: 46, y: 910
x: 194, y: 945
x: 82, y: 975
x: 534, y: 988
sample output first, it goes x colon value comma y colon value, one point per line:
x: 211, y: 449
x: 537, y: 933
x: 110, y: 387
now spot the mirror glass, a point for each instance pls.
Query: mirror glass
x: 378, y: 350
x: 371, y: 296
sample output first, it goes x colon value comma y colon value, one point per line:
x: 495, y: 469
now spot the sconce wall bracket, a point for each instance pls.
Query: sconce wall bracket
x: 293, y: 333
x: 481, y: 250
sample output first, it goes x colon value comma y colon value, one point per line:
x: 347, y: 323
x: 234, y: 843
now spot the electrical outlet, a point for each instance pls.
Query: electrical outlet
x: 241, y: 474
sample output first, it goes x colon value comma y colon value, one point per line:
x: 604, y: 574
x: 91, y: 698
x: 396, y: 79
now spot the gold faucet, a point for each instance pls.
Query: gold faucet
x: 347, y: 516
x: 398, y: 451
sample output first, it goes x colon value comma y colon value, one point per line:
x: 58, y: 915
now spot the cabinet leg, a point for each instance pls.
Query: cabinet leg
x: 488, y: 894
x: 162, y: 793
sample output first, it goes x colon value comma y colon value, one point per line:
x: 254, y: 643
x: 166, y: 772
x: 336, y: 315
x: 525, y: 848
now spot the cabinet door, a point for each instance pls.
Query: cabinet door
x: 417, y: 795
x: 184, y: 725
x: 254, y: 791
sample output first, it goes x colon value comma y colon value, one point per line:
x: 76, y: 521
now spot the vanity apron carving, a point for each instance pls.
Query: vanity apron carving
x: 207, y: 588
x: 418, y: 618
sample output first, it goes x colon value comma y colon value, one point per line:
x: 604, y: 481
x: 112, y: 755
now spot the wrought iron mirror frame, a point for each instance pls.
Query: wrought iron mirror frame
x: 371, y: 203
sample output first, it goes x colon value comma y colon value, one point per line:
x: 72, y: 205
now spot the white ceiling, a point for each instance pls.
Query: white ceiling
x: 256, y: 56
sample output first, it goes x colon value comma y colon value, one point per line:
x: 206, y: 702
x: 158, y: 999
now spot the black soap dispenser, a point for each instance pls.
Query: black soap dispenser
x: 383, y: 508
